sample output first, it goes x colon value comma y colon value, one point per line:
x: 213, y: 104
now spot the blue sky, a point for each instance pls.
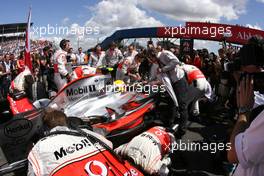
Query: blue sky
x: 54, y: 11
x: 44, y: 12
x: 111, y: 14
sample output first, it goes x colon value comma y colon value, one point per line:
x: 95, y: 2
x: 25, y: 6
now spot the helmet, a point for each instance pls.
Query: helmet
x: 119, y: 85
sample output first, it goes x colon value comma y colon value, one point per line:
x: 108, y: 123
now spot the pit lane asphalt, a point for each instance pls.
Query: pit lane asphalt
x: 214, y: 126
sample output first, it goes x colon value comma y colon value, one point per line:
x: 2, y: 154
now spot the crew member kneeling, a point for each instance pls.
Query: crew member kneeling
x: 67, y: 152
x: 150, y: 150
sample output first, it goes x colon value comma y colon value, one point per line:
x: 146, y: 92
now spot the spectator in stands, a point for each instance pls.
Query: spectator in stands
x: 223, y: 58
x: 6, y: 74
x: 44, y: 71
x: 215, y: 73
x: 46, y: 55
x: 14, y: 70
x: 97, y: 57
x: 187, y: 59
x: 206, y: 63
x: 2, y: 71
x: 21, y: 62
x: 197, y: 60
x: 224, y: 87
x: 35, y: 59
x: 80, y: 57
x: 39, y: 86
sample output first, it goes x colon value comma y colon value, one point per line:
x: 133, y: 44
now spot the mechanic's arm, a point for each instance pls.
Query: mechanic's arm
x: 245, y: 100
x: 62, y: 61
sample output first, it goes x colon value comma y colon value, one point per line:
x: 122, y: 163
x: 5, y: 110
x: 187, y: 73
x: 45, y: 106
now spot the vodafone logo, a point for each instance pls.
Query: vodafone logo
x: 159, y: 131
x: 90, y: 167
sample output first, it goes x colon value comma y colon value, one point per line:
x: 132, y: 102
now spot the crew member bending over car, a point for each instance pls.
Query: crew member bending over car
x: 69, y: 152
x: 150, y: 150
x: 199, y: 87
x: 188, y: 82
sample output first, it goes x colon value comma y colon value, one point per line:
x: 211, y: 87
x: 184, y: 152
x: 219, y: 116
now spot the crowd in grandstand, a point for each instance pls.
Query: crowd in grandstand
x: 11, y: 46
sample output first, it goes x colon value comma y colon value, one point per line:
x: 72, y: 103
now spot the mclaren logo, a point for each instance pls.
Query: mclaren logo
x: 80, y: 90
x: 64, y: 151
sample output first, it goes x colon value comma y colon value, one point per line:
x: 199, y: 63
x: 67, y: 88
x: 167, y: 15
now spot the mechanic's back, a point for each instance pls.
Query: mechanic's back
x: 65, y: 153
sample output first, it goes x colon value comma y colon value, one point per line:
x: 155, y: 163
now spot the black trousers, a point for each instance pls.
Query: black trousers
x: 181, y: 89
x: 4, y: 87
x: 113, y: 73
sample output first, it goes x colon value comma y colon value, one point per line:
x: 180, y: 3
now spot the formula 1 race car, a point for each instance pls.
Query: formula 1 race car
x: 111, y: 112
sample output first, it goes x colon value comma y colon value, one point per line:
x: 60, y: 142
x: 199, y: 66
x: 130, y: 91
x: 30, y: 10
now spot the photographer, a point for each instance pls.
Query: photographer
x: 247, y: 140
